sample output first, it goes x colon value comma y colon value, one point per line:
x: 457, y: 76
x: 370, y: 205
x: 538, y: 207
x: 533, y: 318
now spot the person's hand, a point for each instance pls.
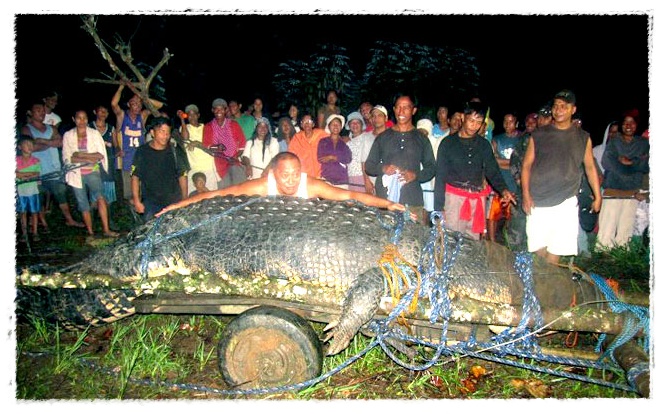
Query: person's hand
x: 640, y: 196
x: 625, y: 160
x: 407, y: 176
x: 328, y: 158
x: 139, y: 207
x: 165, y: 209
x: 507, y: 197
x: 390, y: 169
x: 527, y: 203
x: 595, y: 206
x: 248, y: 171
x: 120, y: 153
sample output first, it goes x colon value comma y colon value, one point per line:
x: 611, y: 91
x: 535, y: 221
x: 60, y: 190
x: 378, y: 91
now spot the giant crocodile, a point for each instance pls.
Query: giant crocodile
x: 306, y: 251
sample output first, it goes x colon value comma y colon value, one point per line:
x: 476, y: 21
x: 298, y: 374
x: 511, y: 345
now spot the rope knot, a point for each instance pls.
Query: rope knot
x: 392, y: 265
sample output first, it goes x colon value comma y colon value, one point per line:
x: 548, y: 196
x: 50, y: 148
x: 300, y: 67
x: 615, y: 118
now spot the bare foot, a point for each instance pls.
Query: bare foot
x: 111, y: 234
x: 74, y: 224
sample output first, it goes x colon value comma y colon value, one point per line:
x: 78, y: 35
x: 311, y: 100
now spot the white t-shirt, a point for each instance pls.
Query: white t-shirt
x: 257, y: 159
x: 52, y: 119
x: 366, y: 141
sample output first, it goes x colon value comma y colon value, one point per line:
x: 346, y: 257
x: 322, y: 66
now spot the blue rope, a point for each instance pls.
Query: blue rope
x: 530, y: 309
x: 638, y: 319
x: 518, y: 343
x: 521, y: 344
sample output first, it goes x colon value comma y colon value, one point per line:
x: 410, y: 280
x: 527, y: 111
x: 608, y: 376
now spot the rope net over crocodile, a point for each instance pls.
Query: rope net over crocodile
x: 319, y: 253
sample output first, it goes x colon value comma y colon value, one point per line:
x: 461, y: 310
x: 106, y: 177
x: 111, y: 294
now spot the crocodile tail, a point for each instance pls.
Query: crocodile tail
x: 74, y: 309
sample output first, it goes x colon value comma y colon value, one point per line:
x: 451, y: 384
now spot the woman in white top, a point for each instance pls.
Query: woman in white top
x: 85, y: 146
x: 259, y: 150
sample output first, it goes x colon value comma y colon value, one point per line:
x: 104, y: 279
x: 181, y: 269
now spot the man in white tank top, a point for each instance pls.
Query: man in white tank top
x: 286, y: 179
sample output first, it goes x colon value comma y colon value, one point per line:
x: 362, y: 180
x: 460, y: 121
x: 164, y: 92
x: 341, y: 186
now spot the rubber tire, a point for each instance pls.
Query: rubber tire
x: 266, y: 347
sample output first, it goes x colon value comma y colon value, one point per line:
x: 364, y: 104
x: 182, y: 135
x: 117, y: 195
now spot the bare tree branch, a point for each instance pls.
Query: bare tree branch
x: 108, y: 81
x: 142, y: 85
x: 161, y: 63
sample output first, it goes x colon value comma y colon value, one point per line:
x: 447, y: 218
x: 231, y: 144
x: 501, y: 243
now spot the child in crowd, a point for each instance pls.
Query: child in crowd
x: 199, y: 180
x: 27, y: 168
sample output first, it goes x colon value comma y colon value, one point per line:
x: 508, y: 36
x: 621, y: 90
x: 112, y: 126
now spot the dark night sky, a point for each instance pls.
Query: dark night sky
x: 523, y: 59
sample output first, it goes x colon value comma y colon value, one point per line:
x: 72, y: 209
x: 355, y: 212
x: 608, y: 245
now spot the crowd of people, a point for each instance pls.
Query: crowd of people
x: 541, y: 182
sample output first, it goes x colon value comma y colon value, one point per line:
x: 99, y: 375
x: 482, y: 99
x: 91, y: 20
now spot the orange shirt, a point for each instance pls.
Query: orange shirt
x: 306, y: 150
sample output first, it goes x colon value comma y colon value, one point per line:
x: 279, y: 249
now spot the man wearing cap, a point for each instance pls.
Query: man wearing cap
x: 465, y: 162
x: 224, y: 132
x: 551, y: 176
x: 401, y: 158
x: 365, y: 110
x: 130, y: 127
x: 379, y: 120
x: 192, y: 132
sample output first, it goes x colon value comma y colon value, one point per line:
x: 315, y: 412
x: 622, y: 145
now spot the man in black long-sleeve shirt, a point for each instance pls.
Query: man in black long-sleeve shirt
x: 464, y: 161
x: 402, y: 153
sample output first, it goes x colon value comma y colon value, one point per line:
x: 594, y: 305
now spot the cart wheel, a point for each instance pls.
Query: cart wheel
x: 267, y: 347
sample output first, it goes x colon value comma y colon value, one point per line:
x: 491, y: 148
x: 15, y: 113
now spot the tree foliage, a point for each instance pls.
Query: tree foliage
x: 433, y: 74
x: 306, y: 81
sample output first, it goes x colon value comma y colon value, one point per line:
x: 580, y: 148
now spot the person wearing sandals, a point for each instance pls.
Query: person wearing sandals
x: 85, y: 146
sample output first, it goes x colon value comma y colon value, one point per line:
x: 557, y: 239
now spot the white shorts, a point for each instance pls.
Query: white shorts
x: 555, y: 228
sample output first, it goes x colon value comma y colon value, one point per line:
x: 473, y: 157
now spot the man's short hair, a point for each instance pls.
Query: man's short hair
x: 159, y: 121
x: 411, y: 96
x: 283, y: 156
x: 475, y: 107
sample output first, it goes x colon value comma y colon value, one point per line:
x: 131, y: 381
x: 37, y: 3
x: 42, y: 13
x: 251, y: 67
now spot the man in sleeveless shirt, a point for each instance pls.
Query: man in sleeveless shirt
x: 285, y: 178
x: 130, y: 127
x: 556, y: 157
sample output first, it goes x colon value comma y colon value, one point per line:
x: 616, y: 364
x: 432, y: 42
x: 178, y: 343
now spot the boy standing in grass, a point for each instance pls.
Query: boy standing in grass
x: 27, y: 167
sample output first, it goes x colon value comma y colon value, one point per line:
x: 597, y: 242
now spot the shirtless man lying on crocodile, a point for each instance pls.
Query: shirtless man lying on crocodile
x: 285, y: 178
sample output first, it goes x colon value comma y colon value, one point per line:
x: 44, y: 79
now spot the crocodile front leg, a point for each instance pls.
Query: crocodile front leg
x: 360, y: 305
